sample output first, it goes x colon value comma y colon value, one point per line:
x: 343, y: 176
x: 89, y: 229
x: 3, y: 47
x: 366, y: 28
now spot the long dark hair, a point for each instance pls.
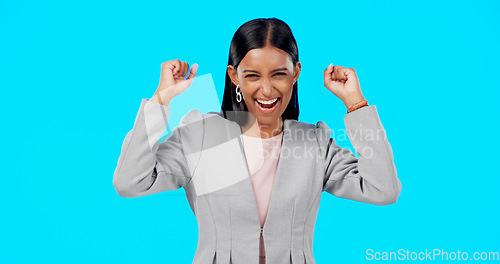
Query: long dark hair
x: 254, y: 34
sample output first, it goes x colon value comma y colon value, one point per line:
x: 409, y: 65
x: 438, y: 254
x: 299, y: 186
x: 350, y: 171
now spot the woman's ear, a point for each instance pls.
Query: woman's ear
x: 232, y: 74
x: 296, y: 71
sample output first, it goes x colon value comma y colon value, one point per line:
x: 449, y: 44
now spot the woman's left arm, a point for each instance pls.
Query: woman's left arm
x: 371, y: 178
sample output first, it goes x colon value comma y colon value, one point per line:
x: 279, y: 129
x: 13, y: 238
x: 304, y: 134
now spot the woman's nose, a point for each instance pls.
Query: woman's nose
x: 266, y: 88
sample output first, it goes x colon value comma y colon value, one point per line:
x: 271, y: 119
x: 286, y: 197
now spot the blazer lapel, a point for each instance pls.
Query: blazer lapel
x: 282, y: 165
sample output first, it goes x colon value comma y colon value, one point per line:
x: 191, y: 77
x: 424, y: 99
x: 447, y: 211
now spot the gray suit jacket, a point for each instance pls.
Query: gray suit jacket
x: 205, y: 155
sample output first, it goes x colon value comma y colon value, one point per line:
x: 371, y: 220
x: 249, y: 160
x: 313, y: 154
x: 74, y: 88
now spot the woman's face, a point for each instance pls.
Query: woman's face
x: 266, y: 77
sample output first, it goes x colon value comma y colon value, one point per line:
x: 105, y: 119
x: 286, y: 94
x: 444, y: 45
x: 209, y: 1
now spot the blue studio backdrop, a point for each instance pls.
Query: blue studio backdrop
x: 73, y: 74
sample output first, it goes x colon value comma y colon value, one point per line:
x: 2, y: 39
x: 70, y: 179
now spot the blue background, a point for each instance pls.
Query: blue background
x: 73, y: 74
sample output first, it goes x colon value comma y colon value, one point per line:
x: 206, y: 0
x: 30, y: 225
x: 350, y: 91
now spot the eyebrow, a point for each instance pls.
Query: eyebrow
x: 279, y: 69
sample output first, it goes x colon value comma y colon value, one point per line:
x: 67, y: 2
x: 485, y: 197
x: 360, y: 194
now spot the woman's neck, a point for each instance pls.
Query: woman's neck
x: 254, y: 129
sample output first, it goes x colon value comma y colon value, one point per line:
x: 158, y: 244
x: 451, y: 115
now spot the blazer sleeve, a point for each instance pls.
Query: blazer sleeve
x: 146, y: 167
x: 371, y: 178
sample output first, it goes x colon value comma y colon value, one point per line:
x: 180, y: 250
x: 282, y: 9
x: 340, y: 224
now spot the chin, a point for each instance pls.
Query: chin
x: 267, y: 119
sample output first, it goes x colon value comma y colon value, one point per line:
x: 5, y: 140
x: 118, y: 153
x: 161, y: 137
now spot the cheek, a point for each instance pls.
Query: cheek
x: 287, y: 94
x: 248, y: 96
x: 248, y: 99
x: 285, y: 100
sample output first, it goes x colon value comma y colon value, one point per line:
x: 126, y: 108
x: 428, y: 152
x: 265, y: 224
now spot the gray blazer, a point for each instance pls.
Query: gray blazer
x: 205, y: 155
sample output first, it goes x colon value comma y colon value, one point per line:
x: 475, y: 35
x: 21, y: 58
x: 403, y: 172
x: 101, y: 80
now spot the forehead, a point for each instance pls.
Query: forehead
x: 265, y: 57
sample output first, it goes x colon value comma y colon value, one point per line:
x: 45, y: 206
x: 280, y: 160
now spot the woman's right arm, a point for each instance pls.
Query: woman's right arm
x: 145, y: 166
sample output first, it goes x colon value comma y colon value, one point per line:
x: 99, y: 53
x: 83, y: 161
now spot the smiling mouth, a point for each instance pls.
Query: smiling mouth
x: 267, y: 103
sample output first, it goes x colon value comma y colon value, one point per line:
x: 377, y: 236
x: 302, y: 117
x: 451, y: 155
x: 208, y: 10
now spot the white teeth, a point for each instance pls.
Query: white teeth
x: 267, y: 102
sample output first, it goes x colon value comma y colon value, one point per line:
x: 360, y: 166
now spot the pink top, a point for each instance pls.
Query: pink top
x: 262, y: 159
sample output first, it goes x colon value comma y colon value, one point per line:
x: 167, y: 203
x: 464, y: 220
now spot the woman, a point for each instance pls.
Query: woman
x: 253, y: 174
